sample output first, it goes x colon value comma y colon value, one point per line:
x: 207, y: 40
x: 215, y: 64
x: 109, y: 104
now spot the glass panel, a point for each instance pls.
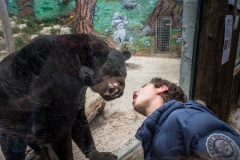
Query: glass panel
x: 67, y: 89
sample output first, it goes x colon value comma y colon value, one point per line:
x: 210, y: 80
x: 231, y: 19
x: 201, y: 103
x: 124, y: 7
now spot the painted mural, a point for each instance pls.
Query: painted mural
x: 125, y: 22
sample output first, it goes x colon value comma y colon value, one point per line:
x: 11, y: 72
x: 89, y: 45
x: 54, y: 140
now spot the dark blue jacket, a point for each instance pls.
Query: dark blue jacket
x: 177, y: 129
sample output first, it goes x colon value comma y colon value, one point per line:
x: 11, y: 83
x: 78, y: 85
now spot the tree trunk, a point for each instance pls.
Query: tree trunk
x: 84, y: 9
x: 165, y: 8
x: 82, y: 13
x: 6, y: 27
x: 25, y: 8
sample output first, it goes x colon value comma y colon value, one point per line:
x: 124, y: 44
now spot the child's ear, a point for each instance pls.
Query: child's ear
x: 162, y: 89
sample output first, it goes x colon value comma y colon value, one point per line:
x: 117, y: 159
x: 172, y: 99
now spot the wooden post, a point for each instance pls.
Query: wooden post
x: 214, y: 80
x: 6, y: 27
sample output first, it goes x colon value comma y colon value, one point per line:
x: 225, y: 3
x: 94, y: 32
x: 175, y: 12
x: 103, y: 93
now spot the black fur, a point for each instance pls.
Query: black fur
x: 42, y: 94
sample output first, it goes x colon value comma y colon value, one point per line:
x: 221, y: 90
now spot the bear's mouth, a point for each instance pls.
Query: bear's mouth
x: 113, y: 91
x: 113, y: 88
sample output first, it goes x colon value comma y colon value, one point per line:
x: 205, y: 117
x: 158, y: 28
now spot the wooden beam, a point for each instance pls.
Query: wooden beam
x: 235, y: 91
x: 6, y: 27
x: 131, y: 150
x: 214, y: 80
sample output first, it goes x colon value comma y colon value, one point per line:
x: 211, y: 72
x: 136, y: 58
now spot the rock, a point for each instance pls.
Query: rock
x: 146, y: 29
x: 21, y: 26
x: 34, y: 36
x: 107, y: 30
x: 65, y: 30
x: 12, y: 23
x: 56, y: 27
x: 123, y: 34
x: 118, y: 18
x: 46, y: 31
x: 129, y: 4
x: 17, y: 35
x: 179, y: 40
x: 147, y: 43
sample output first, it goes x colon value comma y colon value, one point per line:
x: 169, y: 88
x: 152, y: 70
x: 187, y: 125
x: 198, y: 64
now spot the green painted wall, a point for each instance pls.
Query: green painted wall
x: 102, y: 17
x: 44, y: 9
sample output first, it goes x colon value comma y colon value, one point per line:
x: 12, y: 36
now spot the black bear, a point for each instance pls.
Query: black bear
x: 42, y: 94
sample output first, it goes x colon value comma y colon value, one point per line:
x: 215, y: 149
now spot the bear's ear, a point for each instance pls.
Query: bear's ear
x: 126, y: 55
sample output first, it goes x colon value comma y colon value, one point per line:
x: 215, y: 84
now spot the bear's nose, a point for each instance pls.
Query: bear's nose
x: 112, y: 91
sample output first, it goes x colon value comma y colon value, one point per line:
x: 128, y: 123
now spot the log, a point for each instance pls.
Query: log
x: 94, y: 108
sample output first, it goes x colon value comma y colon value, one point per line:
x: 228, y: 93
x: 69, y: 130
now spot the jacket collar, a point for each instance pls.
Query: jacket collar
x: 195, y: 105
x: 150, y: 124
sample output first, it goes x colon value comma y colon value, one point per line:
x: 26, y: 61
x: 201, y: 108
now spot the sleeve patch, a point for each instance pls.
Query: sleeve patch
x: 222, y: 147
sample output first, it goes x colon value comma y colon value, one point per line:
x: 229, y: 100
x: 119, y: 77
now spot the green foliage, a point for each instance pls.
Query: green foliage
x: 102, y: 16
x: 15, y: 30
x: 109, y: 0
x: 73, y: 30
x: 45, y: 9
x: 137, y: 17
x: 12, y: 8
x: 175, y: 47
x: 49, y: 22
x: 18, y: 20
x: 139, y: 43
x: 34, y: 26
x: 54, y: 31
x: 20, y: 41
x: 32, y: 29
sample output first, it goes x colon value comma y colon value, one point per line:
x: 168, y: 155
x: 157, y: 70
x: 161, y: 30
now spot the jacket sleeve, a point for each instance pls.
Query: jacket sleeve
x: 206, y: 134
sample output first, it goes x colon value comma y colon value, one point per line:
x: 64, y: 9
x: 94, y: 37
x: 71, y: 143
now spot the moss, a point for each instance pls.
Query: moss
x: 1, y: 33
x: 15, y: 30
x: 22, y: 40
x: 55, y: 31
x: 34, y: 26
x: 18, y: 42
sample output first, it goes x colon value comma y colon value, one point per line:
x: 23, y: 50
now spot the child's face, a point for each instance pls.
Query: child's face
x: 143, y: 97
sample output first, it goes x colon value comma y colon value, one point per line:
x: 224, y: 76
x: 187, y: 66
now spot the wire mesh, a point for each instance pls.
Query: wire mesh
x: 163, y: 33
